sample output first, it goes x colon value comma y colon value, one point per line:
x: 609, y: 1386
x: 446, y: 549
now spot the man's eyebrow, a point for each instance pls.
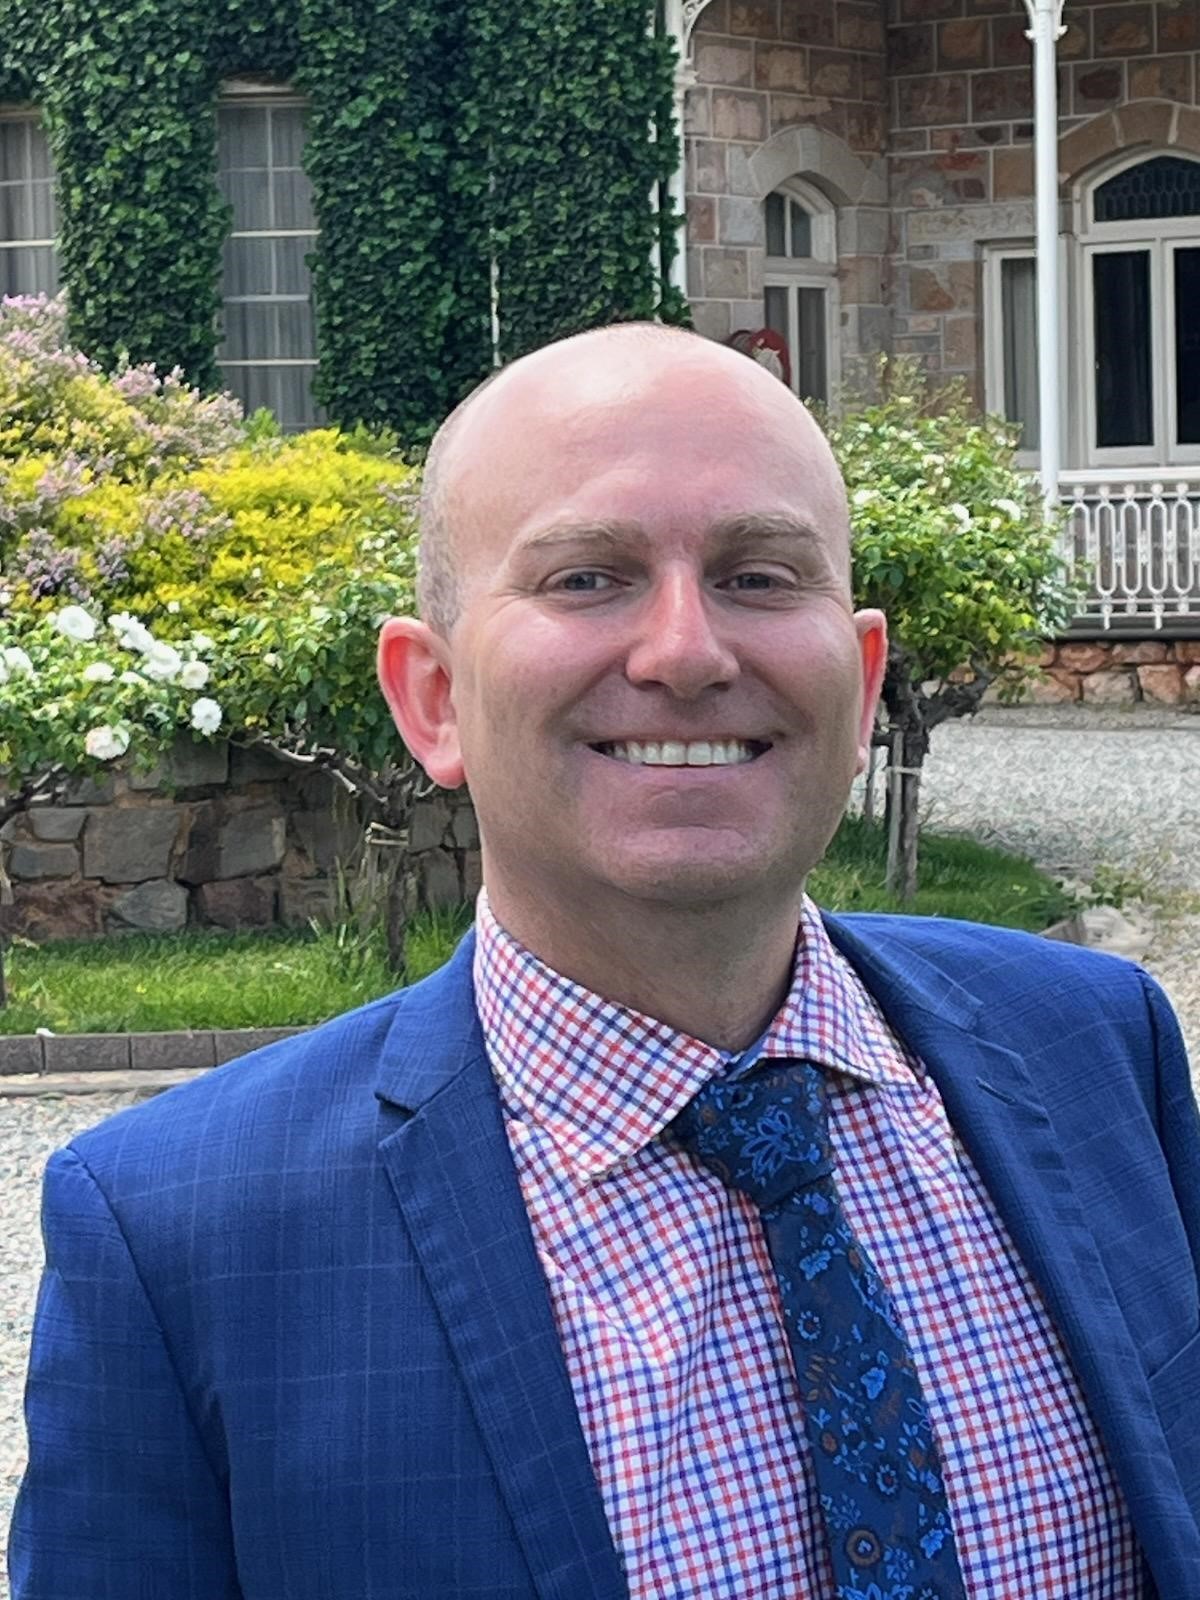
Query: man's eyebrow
x: 772, y: 527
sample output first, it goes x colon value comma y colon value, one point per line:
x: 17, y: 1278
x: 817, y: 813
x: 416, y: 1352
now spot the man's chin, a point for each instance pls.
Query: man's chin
x: 697, y: 881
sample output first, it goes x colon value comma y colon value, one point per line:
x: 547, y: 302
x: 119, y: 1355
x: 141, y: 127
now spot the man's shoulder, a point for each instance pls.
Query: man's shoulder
x: 1014, y: 972
x: 956, y: 945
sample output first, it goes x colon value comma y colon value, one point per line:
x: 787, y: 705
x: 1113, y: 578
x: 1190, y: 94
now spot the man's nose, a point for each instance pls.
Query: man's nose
x: 678, y: 644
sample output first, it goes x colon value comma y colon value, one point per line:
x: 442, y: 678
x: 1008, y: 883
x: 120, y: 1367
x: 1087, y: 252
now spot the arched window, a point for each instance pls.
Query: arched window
x: 28, y: 212
x: 268, y: 352
x: 800, y: 284
x: 1139, y: 237
x: 1131, y: 320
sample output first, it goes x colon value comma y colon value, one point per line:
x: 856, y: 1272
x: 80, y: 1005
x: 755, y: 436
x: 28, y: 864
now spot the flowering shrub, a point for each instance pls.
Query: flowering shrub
x: 80, y: 691
x: 951, y: 540
x: 163, y: 567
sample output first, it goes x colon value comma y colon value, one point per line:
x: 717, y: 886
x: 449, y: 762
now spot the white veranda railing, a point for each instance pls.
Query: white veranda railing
x: 1134, y: 539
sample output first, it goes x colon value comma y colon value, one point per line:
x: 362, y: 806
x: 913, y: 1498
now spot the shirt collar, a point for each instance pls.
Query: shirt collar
x: 602, y: 1080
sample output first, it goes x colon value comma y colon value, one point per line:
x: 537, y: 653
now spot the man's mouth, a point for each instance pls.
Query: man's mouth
x: 678, y: 753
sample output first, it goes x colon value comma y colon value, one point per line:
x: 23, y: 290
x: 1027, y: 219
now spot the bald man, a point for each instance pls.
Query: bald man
x: 677, y: 1241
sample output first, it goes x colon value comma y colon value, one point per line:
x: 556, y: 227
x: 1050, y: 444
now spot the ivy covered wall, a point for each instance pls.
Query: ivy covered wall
x: 461, y: 151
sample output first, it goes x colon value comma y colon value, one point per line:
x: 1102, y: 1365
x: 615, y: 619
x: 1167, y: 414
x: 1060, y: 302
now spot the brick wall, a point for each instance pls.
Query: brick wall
x: 787, y: 88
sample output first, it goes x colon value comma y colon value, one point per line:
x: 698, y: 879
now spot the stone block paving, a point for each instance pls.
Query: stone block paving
x: 1075, y: 789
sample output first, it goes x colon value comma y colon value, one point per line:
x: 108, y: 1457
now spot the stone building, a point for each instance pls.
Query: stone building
x: 858, y: 178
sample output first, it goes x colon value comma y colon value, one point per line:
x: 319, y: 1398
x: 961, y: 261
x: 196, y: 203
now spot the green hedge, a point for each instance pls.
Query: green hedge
x: 444, y: 135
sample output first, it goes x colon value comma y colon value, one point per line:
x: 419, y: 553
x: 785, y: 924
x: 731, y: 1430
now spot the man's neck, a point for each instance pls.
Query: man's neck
x: 716, y: 973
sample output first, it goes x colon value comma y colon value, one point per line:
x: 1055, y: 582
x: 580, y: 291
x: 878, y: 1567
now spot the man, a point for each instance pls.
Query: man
x: 673, y: 1241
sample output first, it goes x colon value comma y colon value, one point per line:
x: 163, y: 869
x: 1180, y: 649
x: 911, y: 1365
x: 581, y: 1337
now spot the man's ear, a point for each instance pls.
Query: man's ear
x: 414, y: 674
x: 873, y: 652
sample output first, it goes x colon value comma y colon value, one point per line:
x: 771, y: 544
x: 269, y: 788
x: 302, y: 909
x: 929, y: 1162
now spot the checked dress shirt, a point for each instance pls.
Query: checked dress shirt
x: 668, y: 1312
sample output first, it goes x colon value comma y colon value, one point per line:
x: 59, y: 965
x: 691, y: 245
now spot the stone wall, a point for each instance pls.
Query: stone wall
x: 787, y: 88
x: 961, y: 131
x: 215, y: 837
x: 1155, y: 671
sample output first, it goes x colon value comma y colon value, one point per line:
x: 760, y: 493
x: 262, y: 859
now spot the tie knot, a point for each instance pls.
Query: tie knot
x: 765, y: 1134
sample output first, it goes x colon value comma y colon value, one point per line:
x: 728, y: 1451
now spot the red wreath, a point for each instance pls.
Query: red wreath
x: 759, y: 342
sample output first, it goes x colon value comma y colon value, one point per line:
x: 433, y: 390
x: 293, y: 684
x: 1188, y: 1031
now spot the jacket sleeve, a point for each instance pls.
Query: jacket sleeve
x: 1178, y: 1119
x: 119, y: 1500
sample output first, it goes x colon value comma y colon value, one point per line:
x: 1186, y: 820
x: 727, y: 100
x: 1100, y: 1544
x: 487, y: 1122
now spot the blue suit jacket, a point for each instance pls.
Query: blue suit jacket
x: 293, y: 1341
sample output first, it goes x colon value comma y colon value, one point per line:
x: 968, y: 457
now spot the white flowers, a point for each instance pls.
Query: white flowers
x: 206, y: 715
x: 106, y: 743
x: 98, y: 672
x: 131, y: 634
x: 161, y: 661
x: 1010, y: 509
x: 75, y: 623
x: 14, y: 663
x: 193, y: 675
x: 960, y: 513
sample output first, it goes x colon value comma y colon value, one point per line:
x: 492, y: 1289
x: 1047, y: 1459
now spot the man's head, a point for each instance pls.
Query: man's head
x: 638, y: 645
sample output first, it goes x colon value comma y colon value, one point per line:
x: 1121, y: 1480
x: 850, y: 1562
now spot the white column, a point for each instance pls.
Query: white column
x: 685, y: 77
x: 679, y: 19
x: 1045, y: 30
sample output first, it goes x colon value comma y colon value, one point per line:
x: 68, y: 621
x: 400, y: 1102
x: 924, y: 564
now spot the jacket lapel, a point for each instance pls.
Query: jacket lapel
x: 997, y: 1112
x: 451, y: 1171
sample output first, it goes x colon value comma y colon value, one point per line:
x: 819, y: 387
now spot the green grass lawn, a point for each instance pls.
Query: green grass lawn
x: 205, y: 979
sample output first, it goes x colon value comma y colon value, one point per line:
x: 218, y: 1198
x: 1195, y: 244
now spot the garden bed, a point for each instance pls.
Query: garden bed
x: 160, y: 1002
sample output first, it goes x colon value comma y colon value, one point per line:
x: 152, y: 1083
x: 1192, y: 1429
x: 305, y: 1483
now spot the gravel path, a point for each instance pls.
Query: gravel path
x: 1114, y: 790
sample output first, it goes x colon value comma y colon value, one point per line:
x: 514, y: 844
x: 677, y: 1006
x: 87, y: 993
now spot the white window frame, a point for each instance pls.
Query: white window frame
x: 994, y: 375
x: 1160, y: 237
x: 31, y: 117
x: 251, y: 94
x: 818, y: 271
x: 993, y: 332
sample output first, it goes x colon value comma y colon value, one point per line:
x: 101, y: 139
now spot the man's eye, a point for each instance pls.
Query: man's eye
x: 584, y: 582
x: 753, y: 581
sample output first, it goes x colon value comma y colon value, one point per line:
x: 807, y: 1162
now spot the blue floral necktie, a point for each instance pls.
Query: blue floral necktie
x: 877, y: 1469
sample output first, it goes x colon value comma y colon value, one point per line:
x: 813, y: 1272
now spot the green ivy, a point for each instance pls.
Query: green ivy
x: 454, y: 146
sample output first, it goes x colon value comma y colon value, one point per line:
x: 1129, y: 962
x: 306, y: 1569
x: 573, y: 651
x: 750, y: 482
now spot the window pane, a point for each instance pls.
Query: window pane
x: 245, y: 331
x: 30, y: 269
x: 13, y: 159
x: 249, y: 193
x: 1187, y: 345
x: 1018, y: 317
x: 776, y: 223
x: 811, y: 376
x: 801, y: 230
x: 247, y: 266
x: 241, y: 137
x: 293, y: 200
x: 43, y: 217
x: 1124, y: 404
x: 294, y: 336
x: 775, y: 311
x: 291, y: 271
x: 1164, y: 186
x: 14, y: 211
x: 40, y: 164
x: 287, y: 135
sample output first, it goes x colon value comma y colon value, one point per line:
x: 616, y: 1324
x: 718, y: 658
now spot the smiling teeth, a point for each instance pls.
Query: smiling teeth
x: 674, y: 753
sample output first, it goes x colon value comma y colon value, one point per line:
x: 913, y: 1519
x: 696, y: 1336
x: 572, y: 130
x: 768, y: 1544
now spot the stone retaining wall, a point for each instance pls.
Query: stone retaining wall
x: 216, y: 836
x: 1158, y: 671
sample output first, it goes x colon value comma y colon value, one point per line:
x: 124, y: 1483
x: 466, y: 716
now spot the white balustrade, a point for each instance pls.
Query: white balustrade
x: 1134, y: 542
